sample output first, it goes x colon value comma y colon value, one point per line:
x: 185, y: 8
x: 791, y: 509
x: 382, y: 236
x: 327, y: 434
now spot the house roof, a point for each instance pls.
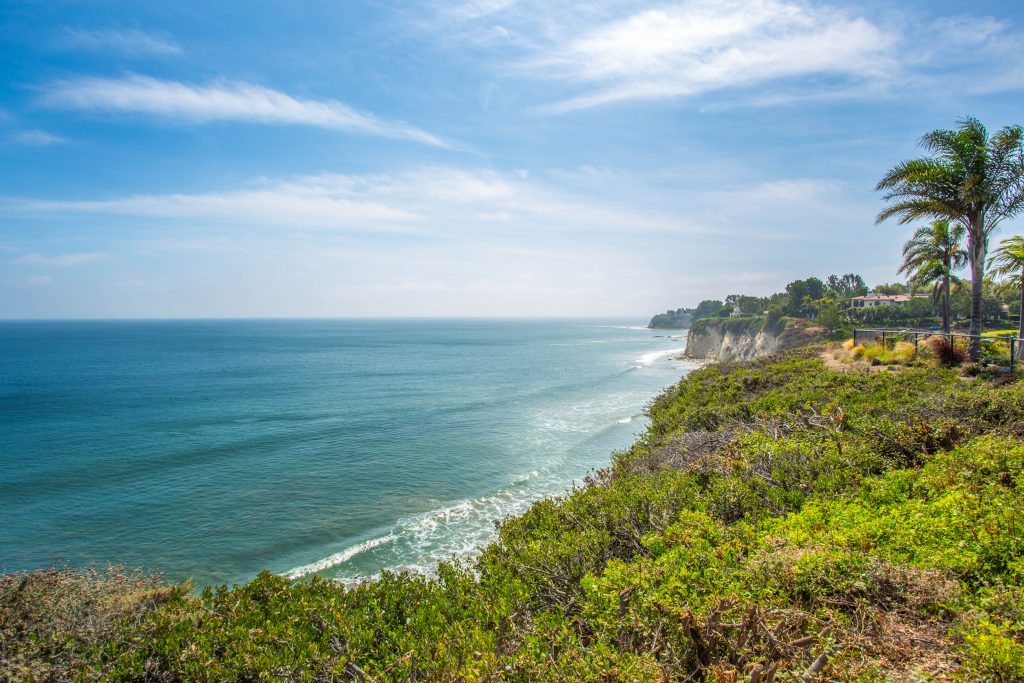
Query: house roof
x: 898, y: 298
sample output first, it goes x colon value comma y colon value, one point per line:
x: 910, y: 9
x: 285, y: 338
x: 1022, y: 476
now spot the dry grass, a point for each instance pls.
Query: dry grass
x: 843, y: 360
x: 51, y: 619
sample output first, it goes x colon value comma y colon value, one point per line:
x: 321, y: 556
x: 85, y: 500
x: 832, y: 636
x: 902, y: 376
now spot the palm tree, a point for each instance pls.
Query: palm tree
x: 1008, y: 260
x: 970, y: 179
x: 931, y: 256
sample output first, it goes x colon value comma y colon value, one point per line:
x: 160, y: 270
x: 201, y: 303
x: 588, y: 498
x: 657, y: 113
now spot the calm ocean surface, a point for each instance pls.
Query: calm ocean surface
x: 216, y: 449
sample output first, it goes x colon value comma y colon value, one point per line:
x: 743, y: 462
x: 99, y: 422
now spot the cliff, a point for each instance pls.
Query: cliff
x: 672, y: 320
x: 731, y: 339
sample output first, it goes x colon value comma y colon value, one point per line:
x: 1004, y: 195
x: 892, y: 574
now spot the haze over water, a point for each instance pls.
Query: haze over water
x: 216, y: 449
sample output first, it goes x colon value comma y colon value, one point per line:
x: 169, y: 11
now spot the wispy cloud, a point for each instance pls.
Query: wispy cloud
x: 973, y: 55
x: 445, y: 241
x: 703, y: 46
x: 60, y: 260
x: 127, y: 41
x: 622, y: 50
x: 428, y: 201
x: 36, y: 138
x: 221, y: 101
x: 474, y: 9
x: 309, y: 203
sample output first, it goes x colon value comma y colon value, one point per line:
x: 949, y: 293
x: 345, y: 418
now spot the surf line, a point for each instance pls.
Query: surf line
x: 338, y: 558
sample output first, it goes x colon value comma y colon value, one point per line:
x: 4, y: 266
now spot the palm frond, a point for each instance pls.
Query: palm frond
x: 1008, y: 259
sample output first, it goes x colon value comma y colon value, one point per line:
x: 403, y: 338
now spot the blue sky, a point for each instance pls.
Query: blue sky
x: 482, y: 157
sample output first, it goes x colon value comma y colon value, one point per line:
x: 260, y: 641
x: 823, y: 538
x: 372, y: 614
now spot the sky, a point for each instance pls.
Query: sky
x: 468, y: 157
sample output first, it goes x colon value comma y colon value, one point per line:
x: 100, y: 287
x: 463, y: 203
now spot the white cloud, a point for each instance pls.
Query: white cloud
x: 60, y: 260
x: 703, y: 46
x: 36, y: 138
x: 221, y: 101
x: 424, y: 201
x: 771, y: 51
x: 475, y: 9
x: 971, y: 55
x: 128, y: 41
x: 311, y: 203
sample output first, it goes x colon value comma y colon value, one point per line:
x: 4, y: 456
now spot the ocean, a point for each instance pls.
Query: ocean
x: 213, y: 450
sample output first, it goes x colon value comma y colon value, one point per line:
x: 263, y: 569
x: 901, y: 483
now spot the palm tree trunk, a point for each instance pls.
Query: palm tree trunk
x: 977, y: 248
x: 945, y: 303
x: 1020, y: 318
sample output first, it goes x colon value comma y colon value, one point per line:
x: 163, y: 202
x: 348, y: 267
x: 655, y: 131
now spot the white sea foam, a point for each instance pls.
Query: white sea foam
x: 650, y: 358
x: 457, y: 529
x: 556, y: 430
x: 418, y: 542
x: 338, y: 558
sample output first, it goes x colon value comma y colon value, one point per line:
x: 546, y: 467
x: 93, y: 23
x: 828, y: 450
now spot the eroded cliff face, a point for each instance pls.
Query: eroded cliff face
x: 728, y: 340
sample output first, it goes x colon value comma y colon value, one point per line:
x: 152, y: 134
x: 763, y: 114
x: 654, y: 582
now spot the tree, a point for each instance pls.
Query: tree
x: 969, y: 178
x: 891, y: 288
x: 815, y: 288
x: 1008, y: 260
x: 707, y: 309
x: 800, y: 291
x: 846, y: 286
x: 931, y: 256
x: 830, y: 315
x: 748, y: 305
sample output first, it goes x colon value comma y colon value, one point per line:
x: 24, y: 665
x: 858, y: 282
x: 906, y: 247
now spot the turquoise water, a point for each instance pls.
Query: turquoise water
x: 216, y: 449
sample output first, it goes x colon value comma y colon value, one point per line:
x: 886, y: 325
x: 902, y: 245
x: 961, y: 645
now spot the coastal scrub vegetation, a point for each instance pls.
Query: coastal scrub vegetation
x: 777, y: 521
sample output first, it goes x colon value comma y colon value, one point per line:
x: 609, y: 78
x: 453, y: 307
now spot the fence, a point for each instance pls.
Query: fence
x: 995, y: 349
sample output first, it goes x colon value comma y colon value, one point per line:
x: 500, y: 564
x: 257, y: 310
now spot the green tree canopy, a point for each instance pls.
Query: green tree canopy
x: 891, y: 288
x: 811, y: 289
x: 1008, y: 261
x: 846, y: 286
x: 707, y: 308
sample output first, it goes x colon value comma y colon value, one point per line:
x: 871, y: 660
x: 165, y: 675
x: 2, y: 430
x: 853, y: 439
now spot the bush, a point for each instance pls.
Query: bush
x: 946, y: 352
x: 903, y: 353
x: 53, y: 620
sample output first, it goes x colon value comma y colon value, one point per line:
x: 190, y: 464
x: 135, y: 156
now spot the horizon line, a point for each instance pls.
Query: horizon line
x: 578, y: 316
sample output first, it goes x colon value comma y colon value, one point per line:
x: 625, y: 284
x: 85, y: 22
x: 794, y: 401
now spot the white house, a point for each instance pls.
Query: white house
x: 871, y: 300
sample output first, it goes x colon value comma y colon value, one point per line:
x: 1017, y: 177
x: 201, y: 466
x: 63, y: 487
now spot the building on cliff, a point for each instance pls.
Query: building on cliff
x: 872, y: 300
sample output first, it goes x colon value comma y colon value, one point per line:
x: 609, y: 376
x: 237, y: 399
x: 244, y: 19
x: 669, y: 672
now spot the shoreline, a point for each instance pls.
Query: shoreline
x: 563, y: 426
x: 459, y: 510
x: 788, y: 549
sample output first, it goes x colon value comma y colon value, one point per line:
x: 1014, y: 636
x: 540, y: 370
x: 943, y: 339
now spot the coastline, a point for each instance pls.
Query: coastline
x: 455, y: 442
x: 510, y: 501
x: 766, y: 476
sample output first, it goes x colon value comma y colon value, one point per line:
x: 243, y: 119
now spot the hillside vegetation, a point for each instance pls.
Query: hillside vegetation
x: 778, y: 521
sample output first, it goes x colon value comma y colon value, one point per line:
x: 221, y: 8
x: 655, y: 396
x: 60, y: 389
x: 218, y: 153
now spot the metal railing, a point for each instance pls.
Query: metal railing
x: 991, y: 352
